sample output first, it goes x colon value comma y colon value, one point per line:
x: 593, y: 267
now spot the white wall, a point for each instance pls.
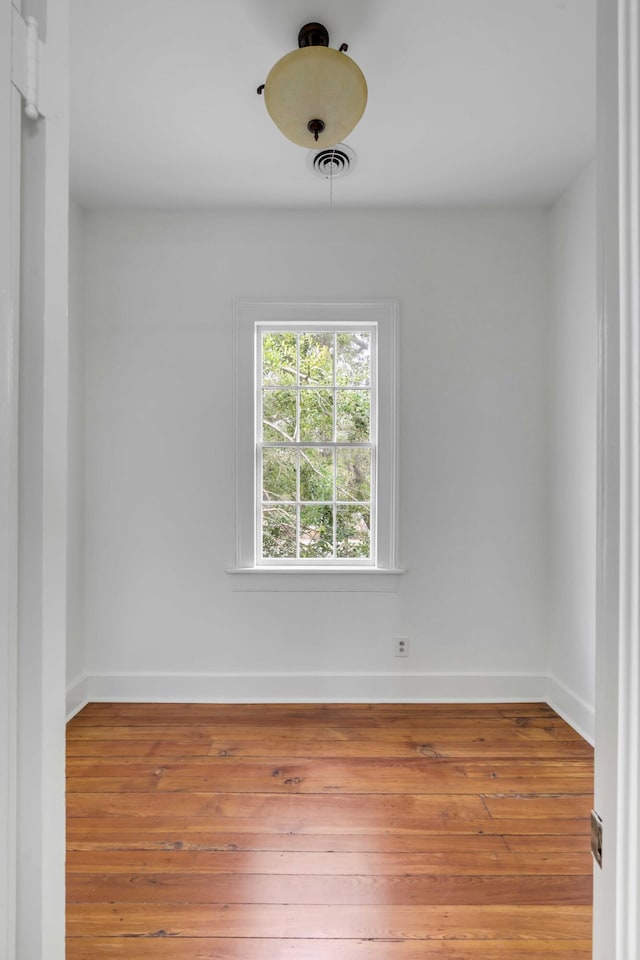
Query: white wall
x: 573, y: 453
x: 474, y: 295
x: 75, y: 568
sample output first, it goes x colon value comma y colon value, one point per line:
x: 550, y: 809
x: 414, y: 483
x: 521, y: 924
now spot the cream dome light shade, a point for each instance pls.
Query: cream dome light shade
x: 315, y: 95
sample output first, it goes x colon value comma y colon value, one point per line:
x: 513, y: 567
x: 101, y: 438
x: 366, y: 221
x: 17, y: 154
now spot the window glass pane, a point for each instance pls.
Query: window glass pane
x: 316, y: 415
x: 279, y: 532
x: 353, y: 526
x: 353, y: 359
x: 353, y: 415
x: 316, y: 531
x: 279, y: 414
x: 316, y: 359
x: 279, y: 475
x: 353, y: 480
x: 316, y: 473
x: 279, y: 358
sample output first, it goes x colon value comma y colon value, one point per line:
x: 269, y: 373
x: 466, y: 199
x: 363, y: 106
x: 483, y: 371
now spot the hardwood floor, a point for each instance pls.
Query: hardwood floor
x: 351, y: 832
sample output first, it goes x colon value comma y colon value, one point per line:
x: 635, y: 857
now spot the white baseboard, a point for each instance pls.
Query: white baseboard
x: 332, y: 688
x: 312, y: 688
x: 572, y: 708
x: 77, y: 695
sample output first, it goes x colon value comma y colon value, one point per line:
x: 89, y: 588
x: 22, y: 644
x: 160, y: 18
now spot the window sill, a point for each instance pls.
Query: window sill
x: 370, y: 571
x: 316, y: 579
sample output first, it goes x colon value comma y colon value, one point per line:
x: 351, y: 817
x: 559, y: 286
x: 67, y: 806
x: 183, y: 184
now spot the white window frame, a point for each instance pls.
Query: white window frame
x: 250, y: 317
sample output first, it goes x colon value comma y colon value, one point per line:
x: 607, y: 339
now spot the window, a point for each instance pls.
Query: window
x: 315, y: 444
x: 316, y: 436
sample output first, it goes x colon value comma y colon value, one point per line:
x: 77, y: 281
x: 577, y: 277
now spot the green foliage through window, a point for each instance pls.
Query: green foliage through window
x: 317, y: 447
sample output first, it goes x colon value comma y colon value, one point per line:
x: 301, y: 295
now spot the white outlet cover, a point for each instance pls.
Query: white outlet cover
x: 401, y: 646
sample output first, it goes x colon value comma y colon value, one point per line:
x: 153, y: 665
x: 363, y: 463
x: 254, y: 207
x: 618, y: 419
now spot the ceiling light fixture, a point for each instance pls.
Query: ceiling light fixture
x: 315, y: 95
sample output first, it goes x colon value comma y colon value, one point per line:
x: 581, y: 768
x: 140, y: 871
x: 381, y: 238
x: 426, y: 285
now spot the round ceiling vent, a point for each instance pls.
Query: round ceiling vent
x: 332, y: 162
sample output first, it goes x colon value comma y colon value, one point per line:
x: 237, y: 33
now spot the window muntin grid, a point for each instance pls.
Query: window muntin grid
x: 316, y: 431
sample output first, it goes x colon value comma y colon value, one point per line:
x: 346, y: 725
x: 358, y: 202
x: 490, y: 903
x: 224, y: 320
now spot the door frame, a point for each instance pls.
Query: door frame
x: 617, y: 886
x: 9, y: 327
x: 617, y: 783
x: 34, y: 192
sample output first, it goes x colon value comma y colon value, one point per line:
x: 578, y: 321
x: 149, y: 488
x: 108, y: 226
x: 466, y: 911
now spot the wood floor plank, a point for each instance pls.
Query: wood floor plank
x: 369, y: 843
x: 398, y: 921
x: 465, y: 728
x: 381, y: 775
x: 309, y: 831
x: 179, y: 829
x: 353, y: 767
x: 175, y: 834
x: 488, y: 749
x: 222, y: 948
x: 163, y: 833
x: 291, y: 778
x: 302, y: 889
x: 296, y: 863
x: 406, y: 745
x: 324, y: 811
x: 546, y: 843
x: 169, y: 749
x: 533, y: 807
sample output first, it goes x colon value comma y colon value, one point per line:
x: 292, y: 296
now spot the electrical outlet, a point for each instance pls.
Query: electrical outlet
x: 401, y: 646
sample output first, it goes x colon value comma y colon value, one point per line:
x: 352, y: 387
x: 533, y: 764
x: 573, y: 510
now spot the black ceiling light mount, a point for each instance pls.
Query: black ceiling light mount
x: 316, y: 127
x: 315, y: 93
x: 313, y: 35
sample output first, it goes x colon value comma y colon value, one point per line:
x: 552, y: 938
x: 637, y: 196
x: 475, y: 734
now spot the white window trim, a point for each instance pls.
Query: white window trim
x: 248, y: 315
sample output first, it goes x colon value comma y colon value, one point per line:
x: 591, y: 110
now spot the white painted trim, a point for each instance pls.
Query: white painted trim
x: 324, y: 687
x: 605, y: 933
x: 343, y: 570
x: 312, y: 688
x: 572, y: 708
x: 10, y: 110
x: 42, y: 517
x: 310, y: 580
x: 617, y: 781
x: 628, y: 788
x: 77, y: 695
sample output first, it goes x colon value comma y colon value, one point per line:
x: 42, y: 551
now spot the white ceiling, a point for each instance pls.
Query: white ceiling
x: 470, y: 101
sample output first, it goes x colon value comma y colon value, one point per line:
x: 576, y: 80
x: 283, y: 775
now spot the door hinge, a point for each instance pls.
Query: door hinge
x: 596, y: 837
x: 29, y: 65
